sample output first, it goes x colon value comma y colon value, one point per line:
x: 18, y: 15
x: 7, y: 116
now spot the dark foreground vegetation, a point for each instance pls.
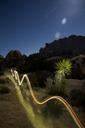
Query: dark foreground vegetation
x: 12, y: 114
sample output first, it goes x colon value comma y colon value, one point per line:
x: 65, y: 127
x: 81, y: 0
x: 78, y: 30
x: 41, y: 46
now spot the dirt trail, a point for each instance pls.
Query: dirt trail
x: 12, y: 114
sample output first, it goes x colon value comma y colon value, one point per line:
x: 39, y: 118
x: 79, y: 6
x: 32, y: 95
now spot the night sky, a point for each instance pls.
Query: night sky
x: 27, y: 25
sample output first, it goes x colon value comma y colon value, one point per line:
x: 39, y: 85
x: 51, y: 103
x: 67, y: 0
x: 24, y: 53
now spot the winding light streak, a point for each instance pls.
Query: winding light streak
x: 62, y: 100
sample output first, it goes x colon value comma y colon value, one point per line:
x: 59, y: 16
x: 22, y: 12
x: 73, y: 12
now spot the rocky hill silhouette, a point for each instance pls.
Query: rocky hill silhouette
x: 69, y: 46
x: 72, y: 47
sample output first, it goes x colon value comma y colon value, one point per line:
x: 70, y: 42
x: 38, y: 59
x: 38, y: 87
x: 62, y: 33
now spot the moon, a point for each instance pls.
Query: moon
x: 64, y: 21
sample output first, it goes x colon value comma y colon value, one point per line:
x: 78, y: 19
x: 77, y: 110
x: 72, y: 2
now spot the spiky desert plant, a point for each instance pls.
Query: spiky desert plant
x: 63, y: 68
x: 57, y: 85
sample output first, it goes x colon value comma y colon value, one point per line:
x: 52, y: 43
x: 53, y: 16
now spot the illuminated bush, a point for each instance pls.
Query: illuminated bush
x: 54, y: 88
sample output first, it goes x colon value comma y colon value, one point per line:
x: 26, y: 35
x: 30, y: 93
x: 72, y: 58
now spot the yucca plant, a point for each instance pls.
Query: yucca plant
x: 57, y: 85
x: 63, y: 68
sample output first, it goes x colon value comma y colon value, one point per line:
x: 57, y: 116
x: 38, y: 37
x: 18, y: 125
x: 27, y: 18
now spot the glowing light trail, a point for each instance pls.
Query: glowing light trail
x: 62, y: 100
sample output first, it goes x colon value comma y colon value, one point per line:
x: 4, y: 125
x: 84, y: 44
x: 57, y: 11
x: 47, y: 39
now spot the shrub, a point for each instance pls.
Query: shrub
x: 1, y: 73
x: 4, y: 81
x: 51, y: 86
x: 77, y: 98
x: 54, y: 88
x: 52, y: 109
x: 4, y: 89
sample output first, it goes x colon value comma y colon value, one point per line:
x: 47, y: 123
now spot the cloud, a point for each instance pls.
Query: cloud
x: 64, y: 21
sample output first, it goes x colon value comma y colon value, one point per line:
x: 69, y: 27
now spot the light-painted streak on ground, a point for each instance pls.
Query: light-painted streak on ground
x: 62, y: 100
x: 37, y: 122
